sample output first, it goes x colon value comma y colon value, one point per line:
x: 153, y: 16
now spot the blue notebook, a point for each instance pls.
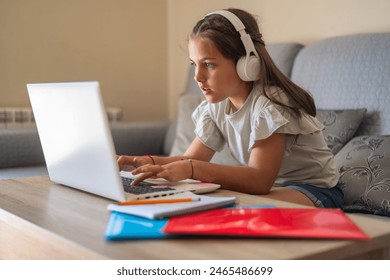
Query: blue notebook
x: 126, y: 226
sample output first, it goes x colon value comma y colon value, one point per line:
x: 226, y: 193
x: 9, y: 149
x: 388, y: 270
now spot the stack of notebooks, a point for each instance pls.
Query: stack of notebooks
x: 212, y: 216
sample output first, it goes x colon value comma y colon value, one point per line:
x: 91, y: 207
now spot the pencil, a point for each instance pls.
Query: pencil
x: 156, y: 201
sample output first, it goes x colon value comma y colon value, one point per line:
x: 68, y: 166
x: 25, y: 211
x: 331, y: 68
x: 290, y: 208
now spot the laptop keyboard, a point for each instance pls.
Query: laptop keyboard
x: 142, y: 187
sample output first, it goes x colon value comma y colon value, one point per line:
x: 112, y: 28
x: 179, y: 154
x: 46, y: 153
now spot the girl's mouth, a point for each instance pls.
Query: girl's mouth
x: 205, y: 90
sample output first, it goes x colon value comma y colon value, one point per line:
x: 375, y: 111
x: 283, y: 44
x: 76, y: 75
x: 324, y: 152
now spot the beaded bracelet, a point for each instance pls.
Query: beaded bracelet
x: 149, y: 156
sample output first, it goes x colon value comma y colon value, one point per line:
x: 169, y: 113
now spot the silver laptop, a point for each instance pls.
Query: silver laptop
x: 78, y: 147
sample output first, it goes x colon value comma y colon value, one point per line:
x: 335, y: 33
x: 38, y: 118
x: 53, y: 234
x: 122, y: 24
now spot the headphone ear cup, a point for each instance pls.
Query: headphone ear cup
x: 248, y: 68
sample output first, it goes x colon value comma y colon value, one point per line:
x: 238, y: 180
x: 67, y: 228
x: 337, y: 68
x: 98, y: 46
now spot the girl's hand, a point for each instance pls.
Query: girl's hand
x: 129, y: 163
x: 175, y: 171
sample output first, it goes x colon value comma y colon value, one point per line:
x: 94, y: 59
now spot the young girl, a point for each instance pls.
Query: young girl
x: 266, y: 120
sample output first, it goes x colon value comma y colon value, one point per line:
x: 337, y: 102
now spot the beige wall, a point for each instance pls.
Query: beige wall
x: 121, y: 43
x: 137, y: 48
x: 280, y: 20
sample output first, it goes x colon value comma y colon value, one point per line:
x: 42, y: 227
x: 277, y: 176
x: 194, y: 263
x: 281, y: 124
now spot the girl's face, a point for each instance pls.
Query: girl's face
x: 215, y: 74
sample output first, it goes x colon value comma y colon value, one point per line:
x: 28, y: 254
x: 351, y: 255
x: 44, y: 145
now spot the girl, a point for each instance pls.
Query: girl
x: 266, y: 120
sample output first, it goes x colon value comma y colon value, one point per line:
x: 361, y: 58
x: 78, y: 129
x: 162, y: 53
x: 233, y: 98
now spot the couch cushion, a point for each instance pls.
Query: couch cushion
x: 283, y: 54
x: 340, y: 126
x: 364, y: 165
x: 139, y: 138
x: 170, y: 137
x: 185, y: 126
x: 349, y: 72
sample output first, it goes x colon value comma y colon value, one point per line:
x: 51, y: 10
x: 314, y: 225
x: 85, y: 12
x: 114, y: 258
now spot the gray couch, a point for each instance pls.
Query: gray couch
x: 349, y: 78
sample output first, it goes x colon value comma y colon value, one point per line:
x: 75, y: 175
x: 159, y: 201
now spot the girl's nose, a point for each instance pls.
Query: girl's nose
x: 199, y: 76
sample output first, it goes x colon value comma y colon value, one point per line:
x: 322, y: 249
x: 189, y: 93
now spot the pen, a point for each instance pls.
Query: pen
x: 155, y: 201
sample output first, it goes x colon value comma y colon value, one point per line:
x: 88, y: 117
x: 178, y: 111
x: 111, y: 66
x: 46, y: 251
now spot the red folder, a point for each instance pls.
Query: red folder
x: 268, y: 222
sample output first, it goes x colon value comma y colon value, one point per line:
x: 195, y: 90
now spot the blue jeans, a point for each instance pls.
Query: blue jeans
x: 322, y: 197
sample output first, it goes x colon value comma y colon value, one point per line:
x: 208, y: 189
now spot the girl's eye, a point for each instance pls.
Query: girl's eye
x: 209, y: 65
x: 205, y: 65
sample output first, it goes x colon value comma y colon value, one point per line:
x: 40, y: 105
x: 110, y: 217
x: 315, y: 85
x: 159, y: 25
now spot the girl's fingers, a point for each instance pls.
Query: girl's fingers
x: 125, y: 163
x: 147, y: 168
x: 125, y: 160
x: 141, y: 177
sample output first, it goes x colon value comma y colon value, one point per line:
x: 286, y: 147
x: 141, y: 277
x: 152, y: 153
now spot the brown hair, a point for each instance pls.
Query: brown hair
x: 223, y: 34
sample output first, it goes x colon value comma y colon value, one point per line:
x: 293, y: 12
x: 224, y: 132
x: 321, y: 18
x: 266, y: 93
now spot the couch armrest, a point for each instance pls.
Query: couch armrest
x: 139, y: 138
x: 20, y: 147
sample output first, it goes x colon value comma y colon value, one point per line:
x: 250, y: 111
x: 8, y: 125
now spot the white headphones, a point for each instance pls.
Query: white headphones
x: 248, y: 67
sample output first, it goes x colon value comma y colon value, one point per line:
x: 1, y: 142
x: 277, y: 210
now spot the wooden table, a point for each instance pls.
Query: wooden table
x: 43, y: 220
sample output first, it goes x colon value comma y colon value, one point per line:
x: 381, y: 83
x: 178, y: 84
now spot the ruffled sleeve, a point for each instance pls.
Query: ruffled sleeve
x: 206, y: 129
x: 269, y: 117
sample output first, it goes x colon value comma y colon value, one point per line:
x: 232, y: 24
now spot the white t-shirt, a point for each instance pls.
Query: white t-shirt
x: 307, y: 158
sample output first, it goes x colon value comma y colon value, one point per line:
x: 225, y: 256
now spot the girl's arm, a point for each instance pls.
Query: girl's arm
x: 174, y: 168
x: 128, y: 163
x: 197, y: 150
x: 256, y: 178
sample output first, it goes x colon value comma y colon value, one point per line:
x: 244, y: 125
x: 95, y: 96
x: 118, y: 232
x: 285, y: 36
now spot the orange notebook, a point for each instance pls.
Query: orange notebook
x: 268, y: 222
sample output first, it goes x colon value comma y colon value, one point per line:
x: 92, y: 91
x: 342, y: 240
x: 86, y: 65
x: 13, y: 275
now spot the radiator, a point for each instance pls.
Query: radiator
x: 12, y: 117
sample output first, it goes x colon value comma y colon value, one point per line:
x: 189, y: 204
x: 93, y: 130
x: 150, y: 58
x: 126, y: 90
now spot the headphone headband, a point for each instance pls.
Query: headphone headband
x: 248, y: 67
x: 240, y: 28
x: 234, y: 20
